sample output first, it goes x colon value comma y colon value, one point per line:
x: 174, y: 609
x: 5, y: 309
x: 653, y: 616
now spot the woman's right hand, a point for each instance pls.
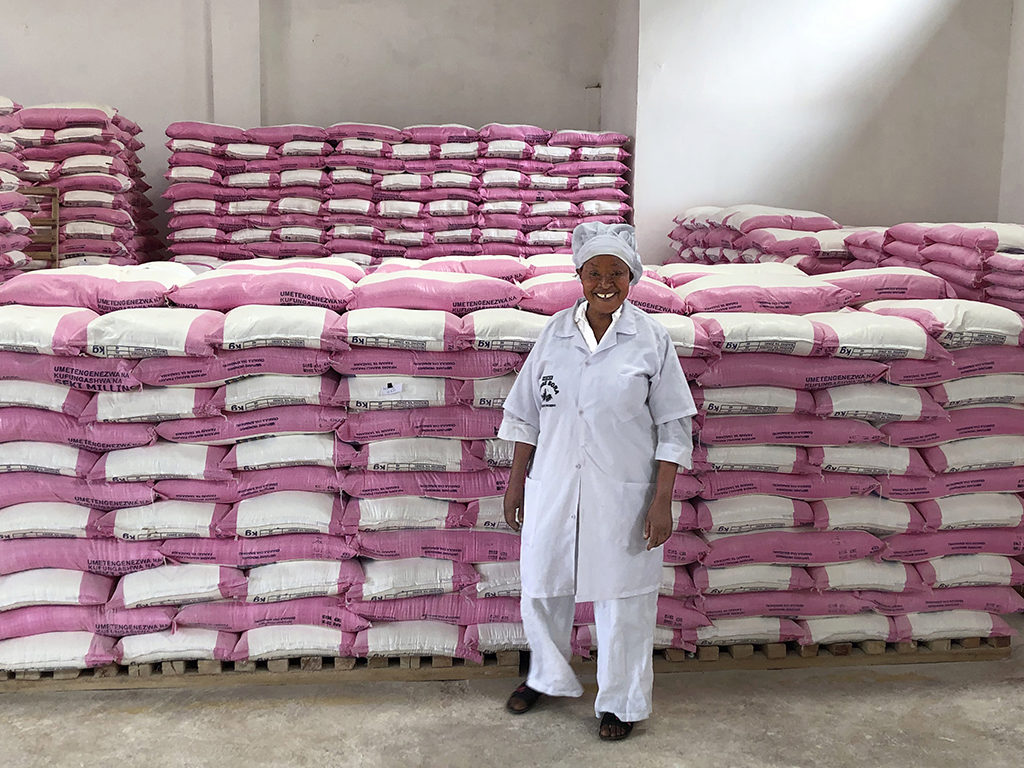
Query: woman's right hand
x: 513, y: 505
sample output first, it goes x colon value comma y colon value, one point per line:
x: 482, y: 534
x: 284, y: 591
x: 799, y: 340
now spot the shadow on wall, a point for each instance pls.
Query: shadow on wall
x: 872, y: 112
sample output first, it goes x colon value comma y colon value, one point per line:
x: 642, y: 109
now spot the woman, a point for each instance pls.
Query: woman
x: 600, y: 418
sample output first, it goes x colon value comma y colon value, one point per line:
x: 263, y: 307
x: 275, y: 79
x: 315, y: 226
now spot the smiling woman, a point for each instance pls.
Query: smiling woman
x: 600, y: 420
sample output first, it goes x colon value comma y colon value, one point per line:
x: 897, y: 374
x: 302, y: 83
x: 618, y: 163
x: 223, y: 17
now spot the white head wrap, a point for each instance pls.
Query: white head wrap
x: 594, y: 239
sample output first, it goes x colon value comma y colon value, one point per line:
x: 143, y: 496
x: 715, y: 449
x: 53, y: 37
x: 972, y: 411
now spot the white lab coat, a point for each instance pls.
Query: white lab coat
x: 595, y: 419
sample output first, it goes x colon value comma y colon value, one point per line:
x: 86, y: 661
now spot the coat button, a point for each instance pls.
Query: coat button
x: 579, y: 466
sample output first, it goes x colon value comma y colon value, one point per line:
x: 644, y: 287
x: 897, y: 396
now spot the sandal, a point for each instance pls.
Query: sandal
x: 613, y: 729
x: 522, y: 700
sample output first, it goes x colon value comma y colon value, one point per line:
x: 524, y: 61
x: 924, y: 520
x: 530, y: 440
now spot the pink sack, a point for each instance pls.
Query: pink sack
x: 802, y: 515
x: 683, y: 547
x: 395, y: 644
x: 228, y: 289
x: 231, y: 584
x: 677, y: 582
x: 242, y: 616
x: 993, y: 599
x: 268, y: 421
x: 133, y: 333
x: 45, y: 330
x: 300, y: 478
x: 453, y: 421
x: 49, y: 427
x: 440, y: 134
x: 956, y: 255
x: 249, y: 553
x: 762, y: 369
x: 455, y: 486
x: 918, y: 547
x: 909, y: 488
x: 799, y: 580
x: 58, y: 118
x: 212, y: 132
x: 786, y: 429
x: 972, y: 421
x: 531, y: 134
x: 23, y: 487
x: 463, y: 546
x: 449, y: 608
x: 1008, y: 573
x: 463, y: 364
x: 791, y: 546
x: 550, y: 293
x: 787, y: 294
x: 228, y: 365
x: 282, y: 134
x: 106, y: 557
x: 446, y: 291
x: 792, y: 604
x: 679, y: 614
x: 341, y: 131
x: 40, y: 619
x: 891, y: 283
x: 960, y: 323
x: 156, y: 462
x: 587, y: 139
x: 686, y: 486
x: 830, y: 485
x: 84, y: 373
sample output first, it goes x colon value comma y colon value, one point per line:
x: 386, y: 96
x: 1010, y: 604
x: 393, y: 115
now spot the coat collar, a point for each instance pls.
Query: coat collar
x: 565, y: 325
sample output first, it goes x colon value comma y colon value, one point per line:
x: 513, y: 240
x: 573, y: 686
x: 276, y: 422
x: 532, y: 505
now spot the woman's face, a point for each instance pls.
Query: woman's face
x: 605, y: 281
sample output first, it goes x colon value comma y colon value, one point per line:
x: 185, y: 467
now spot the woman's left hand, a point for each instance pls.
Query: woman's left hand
x: 658, y: 525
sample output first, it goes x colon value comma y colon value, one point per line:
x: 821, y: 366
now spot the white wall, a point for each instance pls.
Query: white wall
x: 873, y: 111
x: 618, y: 77
x: 400, y: 63
x: 1011, y: 195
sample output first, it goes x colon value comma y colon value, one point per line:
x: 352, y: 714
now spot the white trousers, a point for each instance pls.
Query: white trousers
x: 625, y: 640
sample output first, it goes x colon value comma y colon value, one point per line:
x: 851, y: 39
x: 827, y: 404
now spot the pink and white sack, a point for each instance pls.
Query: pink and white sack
x: 486, y: 393
x: 284, y: 512
x: 753, y: 401
x: 973, y: 510
x: 414, y: 638
x: 746, y: 218
x: 464, y: 364
x: 976, y: 453
x: 289, y: 641
x: 496, y: 580
x: 277, y: 326
x: 757, y: 630
x: 873, y: 514
x: 850, y: 629
x: 754, y: 332
x: 990, y: 389
x: 55, y: 520
x: 252, y: 393
x: 100, y: 556
x: 57, y: 650
x: 150, y: 405
x: 53, y: 586
x: 379, y: 393
x: 162, y: 461
x: 913, y: 488
x: 866, y: 574
x: 55, y: 398
x: 989, y: 599
x: 858, y: 335
x: 137, y: 333
x: 295, y: 579
x: 178, y: 585
x: 409, y: 329
x: 750, y: 578
x: 885, y: 283
x: 940, y: 625
x: 47, y: 458
x: 751, y: 513
x: 878, y: 403
x: 785, y: 429
x: 45, y: 330
x: 913, y: 548
x: 179, y: 644
x: 279, y: 451
x: 22, y: 487
x: 412, y: 577
x: 495, y: 637
x: 754, y: 458
x: 403, y: 512
x: 958, y: 323
x: 971, y: 571
x: 508, y: 330
x: 160, y: 520
x: 789, y: 604
x: 421, y: 454
x: 868, y: 460
x: 781, y: 370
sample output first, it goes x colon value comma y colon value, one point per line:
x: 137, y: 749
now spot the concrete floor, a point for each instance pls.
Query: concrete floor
x: 968, y: 714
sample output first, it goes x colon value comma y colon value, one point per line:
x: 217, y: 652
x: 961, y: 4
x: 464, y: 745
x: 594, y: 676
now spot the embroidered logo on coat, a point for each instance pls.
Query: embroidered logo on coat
x: 548, y: 390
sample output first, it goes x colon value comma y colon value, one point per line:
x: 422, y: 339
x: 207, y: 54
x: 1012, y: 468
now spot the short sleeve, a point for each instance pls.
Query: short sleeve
x: 669, y: 396
x: 675, y: 442
x: 521, y: 422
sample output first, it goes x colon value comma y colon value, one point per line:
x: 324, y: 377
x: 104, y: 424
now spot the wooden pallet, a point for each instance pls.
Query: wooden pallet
x: 289, y: 671
x: 51, y: 223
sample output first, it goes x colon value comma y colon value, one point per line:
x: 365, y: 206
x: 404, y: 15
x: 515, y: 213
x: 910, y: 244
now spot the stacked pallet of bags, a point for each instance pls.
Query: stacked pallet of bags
x: 15, y: 210
x: 803, y: 495
x: 371, y: 192
x: 982, y: 261
x: 88, y: 153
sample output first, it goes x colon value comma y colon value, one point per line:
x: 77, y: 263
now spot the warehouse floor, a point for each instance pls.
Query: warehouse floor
x: 969, y: 714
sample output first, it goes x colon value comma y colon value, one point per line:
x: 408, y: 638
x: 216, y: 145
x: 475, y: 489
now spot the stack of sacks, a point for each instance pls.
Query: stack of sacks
x: 88, y: 152
x: 797, y: 503
x: 433, y: 355
x: 15, y: 209
x: 371, y: 192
